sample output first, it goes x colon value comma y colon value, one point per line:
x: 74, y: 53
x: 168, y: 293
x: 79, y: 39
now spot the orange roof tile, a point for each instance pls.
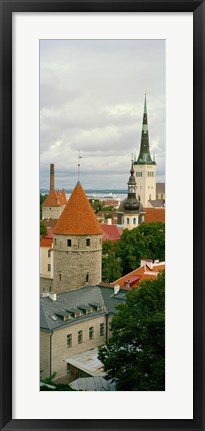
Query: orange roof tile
x: 46, y: 242
x: 141, y: 272
x: 78, y: 217
x: 52, y: 199
x: 154, y: 215
x: 63, y: 198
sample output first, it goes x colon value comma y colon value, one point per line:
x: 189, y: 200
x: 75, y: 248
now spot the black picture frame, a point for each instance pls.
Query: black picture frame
x: 7, y: 7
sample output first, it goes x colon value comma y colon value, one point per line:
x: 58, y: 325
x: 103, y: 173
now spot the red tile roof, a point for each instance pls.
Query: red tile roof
x: 63, y: 198
x: 154, y: 215
x: 51, y: 200
x: 78, y: 217
x: 111, y: 232
x: 46, y: 242
x: 144, y: 272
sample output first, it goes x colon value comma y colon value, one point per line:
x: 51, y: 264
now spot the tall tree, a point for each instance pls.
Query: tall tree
x: 111, y: 265
x: 147, y: 241
x: 43, y: 229
x: 135, y: 355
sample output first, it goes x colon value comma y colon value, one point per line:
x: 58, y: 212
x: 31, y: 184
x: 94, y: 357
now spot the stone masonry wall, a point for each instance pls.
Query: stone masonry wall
x: 52, y: 212
x: 46, y: 285
x: 78, y: 264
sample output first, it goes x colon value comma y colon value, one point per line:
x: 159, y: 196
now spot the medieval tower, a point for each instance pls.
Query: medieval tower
x: 77, y: 245
x: 145, y: 167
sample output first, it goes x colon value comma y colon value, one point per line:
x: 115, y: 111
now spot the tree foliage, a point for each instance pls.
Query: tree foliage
x: 111, y: 265
x: 43, y: 229
x: 135, y: 355
x: 56, y: 386
x: 147, y: 241
x: 42, y: 199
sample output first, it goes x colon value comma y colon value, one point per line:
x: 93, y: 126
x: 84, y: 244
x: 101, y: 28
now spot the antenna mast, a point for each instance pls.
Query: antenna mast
x: 79, y: 157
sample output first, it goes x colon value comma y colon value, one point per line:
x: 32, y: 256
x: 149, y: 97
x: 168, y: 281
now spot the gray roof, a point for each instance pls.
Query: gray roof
x: 92, y: 384
x: 157, y: 203
x: 160, y: 187
x: 50, y: 311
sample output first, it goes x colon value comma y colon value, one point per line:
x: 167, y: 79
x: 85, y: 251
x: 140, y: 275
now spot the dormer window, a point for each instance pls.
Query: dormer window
x: 88, y: 242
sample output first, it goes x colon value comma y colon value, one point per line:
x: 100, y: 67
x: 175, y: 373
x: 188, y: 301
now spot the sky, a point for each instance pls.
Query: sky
x: 92, y: 100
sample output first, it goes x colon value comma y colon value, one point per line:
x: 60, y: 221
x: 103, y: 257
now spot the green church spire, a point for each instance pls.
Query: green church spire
x: 144, y: 155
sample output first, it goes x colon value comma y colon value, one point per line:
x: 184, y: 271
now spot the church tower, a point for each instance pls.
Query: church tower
x: 131, y: 209
x: 77, y: 245
x: 145, y: 167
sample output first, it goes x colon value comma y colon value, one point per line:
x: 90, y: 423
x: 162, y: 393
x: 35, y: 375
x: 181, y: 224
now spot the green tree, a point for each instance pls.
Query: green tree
x: 135, y: 355
x: 147, y: 241
x: 111, y: 265
x: 42, y: 199
x: 43, y: 229
x: 57, y: 386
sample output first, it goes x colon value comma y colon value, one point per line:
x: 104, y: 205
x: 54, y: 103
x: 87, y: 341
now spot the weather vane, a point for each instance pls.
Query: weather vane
x: 79, y: 157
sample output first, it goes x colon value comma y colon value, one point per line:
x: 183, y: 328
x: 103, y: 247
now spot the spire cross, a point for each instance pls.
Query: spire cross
x: 79, y: 157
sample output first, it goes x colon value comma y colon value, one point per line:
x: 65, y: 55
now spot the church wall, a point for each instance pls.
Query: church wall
x: 146, y: 182
x: 73, y: 263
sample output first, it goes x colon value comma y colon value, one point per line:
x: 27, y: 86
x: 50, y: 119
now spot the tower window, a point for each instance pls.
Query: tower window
x: 55, y: 241
x: 69, y: 243
x: 80, y: 337
x: 60, y: 277
x: 49, y: 253
x: 134, y: 220
x: 49, y: 267
x: 60, y: 244
x: 87, y: 277
x: 128, y: 221
x: 150, y: 197
x: 88, y: 242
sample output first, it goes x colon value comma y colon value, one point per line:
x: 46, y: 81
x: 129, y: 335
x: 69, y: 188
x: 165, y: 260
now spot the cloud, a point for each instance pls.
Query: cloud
x: 91, y: 99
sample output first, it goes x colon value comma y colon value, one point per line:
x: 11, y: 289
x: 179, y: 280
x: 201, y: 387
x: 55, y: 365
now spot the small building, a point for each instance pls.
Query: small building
x: 74, y: 322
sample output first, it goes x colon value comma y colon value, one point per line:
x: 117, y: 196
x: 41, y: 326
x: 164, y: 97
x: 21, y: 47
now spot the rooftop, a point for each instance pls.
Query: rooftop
x: 78, y: 217
x: 52, y: 200
x: 88, y: 362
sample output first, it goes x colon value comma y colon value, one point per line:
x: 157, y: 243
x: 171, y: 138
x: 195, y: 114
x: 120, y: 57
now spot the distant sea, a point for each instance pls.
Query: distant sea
x: 117, y: 194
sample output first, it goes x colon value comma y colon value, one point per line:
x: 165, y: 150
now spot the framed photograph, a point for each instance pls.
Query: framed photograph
x: 72, y: 80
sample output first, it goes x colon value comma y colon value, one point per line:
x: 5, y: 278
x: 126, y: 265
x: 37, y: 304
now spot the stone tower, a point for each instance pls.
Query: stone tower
x: 145, y: 167
x: 77, y: 245
x: 54, y: 203
x: 131, y: 211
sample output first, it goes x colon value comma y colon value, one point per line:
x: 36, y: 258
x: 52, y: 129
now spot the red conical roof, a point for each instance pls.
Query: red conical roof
x: 63, y: 198
x: 52, y: 200
x: 78, y: 217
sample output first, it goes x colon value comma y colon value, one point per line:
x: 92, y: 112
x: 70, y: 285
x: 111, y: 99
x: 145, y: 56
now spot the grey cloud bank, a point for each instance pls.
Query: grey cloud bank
x: 91, y: 99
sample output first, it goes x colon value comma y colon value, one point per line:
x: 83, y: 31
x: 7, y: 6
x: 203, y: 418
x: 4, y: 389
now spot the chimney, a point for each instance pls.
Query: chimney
x: 51, y: 176
x: 116, y: 289
x: 53, y: 296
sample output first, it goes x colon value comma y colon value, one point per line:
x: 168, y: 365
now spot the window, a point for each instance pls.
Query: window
x: 55, y: 241
x: 128, y: 220
x: 69, y: 340
x: 69, y: 242
x: 91, y: 333
x: 88, y: 242
x: 60, y: 244
x: 80, y: 337
x: 102, y: 329
x: 49, y: 253
x: 134, y: 220
x: 49, y: 267
x: 150, y: 197
x: 59, y: 277
x: 87, y: 277
x: 161, y: 196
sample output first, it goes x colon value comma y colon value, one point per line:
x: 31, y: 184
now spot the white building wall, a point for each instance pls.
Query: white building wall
x: 145, y: 176
x: 129, y: 221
